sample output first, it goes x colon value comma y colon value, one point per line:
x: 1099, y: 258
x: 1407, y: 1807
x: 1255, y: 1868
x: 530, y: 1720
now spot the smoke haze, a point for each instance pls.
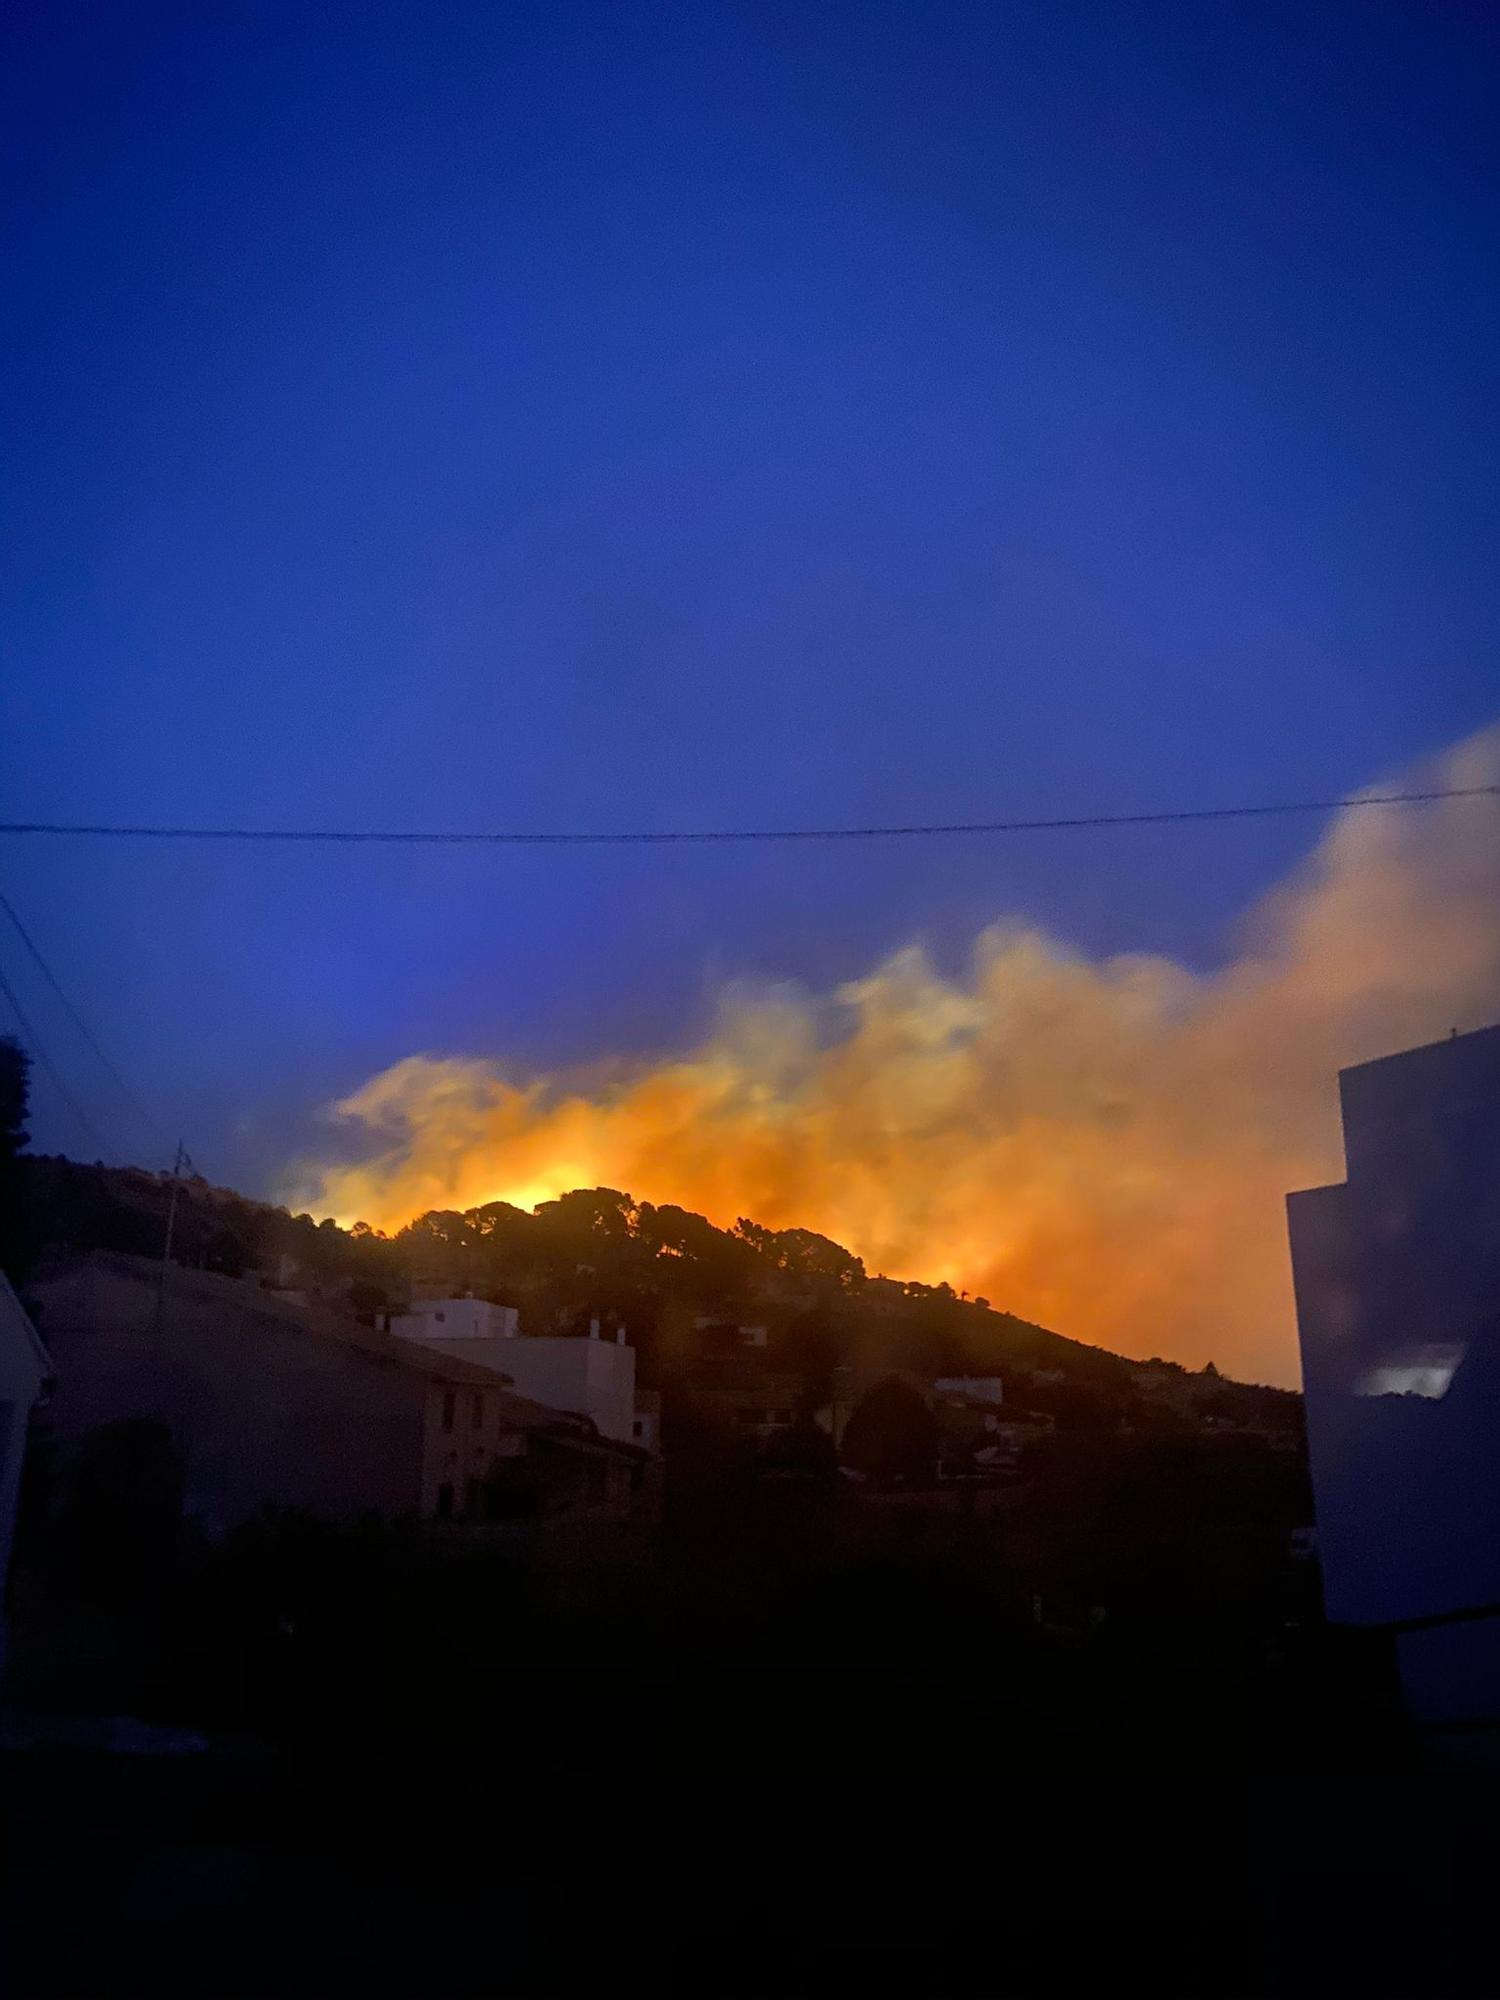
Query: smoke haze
x: 1099, y: 1145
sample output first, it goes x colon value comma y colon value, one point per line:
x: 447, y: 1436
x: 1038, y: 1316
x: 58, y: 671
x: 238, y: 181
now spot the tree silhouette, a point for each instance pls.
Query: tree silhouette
x: 15, y: 1093
x: 892, y: 1434
x: 803, y: 1253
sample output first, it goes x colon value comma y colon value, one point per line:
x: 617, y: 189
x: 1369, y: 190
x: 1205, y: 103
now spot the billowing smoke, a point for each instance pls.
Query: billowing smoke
x: 1102, y: 1146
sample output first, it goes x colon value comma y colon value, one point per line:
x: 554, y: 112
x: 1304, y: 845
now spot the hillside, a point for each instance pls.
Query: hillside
x: 658, y: 1270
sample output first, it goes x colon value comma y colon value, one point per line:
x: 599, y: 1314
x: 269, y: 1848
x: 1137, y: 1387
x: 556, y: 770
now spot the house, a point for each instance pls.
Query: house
x: 270, y: 1403
x: 746, y: 1397
x: 718, y: 1336
x: 972, y: 1402
x: 966, y: 1426
x: 1396, y: 1271
x: 588, y: 1375
x: 1165, y: 1386
x: 979, y: 1437
x: 980, y: 1391
x: 26, y: 1379
x: 762, y: 1411
x: 439, y: 1321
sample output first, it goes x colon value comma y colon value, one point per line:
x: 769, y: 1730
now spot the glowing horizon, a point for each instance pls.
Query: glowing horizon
x: 1099, y: 1145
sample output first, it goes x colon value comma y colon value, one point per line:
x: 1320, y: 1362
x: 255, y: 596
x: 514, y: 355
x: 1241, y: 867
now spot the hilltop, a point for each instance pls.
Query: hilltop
x: 658, y: 1270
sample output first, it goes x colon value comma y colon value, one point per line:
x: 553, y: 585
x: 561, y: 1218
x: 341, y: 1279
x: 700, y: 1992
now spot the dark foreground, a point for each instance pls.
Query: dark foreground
x: 1075, y: 1874
x: 782, y: 1752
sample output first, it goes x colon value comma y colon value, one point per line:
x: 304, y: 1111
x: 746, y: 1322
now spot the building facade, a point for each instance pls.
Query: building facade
x: 587, y: 1376
x: 1397, y: 1278
x: 269, y: 1403
x: 438, y: 1321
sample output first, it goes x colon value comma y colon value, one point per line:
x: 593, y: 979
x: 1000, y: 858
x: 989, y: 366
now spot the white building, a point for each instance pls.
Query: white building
x: 25, y: 1380
x: 1397, y: 1276
x: 589, y: 1377
x: 436, y: 1321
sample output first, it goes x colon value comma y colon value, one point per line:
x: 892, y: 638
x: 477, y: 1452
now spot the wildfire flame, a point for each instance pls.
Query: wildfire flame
x: 1103, y: 1146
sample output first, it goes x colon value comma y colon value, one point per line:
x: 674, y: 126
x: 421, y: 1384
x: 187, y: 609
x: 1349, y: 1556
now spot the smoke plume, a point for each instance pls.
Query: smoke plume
x: 1100, y: 1145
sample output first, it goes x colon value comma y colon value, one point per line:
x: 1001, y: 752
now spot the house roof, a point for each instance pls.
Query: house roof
x: 577, y: 1433
x: 249, y: 1301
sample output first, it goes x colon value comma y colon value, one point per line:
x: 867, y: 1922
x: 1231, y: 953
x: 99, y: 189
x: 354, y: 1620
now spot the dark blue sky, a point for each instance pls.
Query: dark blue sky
x: 581, y: 416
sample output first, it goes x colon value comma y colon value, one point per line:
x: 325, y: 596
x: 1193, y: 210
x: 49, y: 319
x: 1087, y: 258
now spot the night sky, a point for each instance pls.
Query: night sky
x: 573, y: 417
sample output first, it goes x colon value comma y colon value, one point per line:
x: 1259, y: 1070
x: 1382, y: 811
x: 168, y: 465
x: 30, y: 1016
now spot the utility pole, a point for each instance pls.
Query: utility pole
x: 166, y: 1248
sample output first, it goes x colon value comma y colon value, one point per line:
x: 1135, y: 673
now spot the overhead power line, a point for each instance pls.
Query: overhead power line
x: 725, y: 836
x: 37, y: 1047
x: 77, y: 1019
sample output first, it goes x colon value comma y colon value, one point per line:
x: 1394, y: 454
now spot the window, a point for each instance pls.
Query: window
x: 449, y: 1404
x: 445, y: 1502
x: 440, y: 1317
x: 637, y: 1429
x: 478, y: 1419
x: 474, y: 1499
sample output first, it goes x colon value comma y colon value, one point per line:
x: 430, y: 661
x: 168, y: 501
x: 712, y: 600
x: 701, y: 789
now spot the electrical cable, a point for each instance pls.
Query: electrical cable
x: 37, y: 1048
x: 78, y: 1021
x: 726, y: 836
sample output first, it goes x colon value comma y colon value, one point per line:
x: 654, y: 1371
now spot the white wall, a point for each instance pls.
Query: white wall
x: 591, y: 1378
x: 456, y: 1319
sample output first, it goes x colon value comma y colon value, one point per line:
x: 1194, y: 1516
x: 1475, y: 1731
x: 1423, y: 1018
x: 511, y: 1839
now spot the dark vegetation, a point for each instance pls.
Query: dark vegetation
x: 803, y: 1736
x: 793, y: 1743
x: 17, y: 1233
x: 656, y: 1269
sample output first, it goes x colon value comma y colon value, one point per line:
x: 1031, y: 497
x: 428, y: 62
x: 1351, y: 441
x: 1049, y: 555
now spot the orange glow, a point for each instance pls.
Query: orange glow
x: 1103, y: 1146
